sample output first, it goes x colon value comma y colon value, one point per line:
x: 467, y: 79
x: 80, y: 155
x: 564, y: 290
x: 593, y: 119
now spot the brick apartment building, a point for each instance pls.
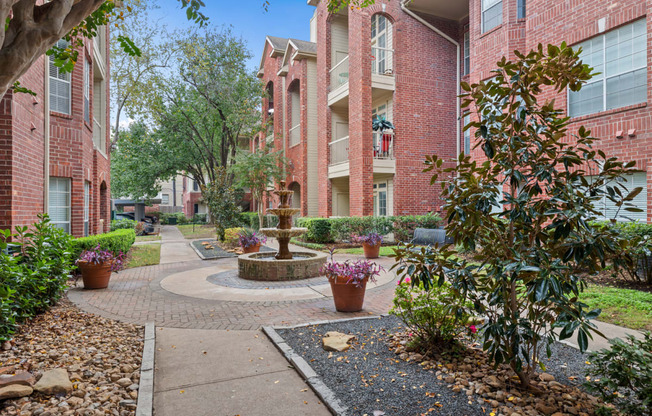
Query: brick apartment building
x: 54, y: 154
x: 403, y: 61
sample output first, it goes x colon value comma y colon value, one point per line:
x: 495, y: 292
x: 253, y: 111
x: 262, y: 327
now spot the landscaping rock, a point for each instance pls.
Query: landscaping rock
x: 14, y: 391
x: 26, y: 379
x: 546, y: 377
x: 54, y: 382
x: 336, y: 341
x: 124, y: 382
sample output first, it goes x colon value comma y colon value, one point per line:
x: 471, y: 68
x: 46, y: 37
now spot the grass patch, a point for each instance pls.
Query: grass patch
x: 147, y: 238
x: 385, y: 251
x: 191, y: 231
x: 624, y: 307
x: 145, y: 255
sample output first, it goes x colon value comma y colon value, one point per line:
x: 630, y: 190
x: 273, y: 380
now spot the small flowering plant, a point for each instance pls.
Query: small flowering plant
x: 99, y: 256
x: 373, y: 239
x: 250, y: 238
x: 355, y: 273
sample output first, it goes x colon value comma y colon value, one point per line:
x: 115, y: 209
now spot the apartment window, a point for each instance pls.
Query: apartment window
x: 59, y: 206
x: 87, y: 91
x: 165, y: 199
x: 608, y: 208
x: 492, y: 14
x: 467, y: 53
x: 87, y: 207
x: 195, y: 209
x: 620, y: 56
x: 381, y: 45
x: 59, y: 86
x: 195, y: 185
x: 521, y: 9
x: 467, y: 136
x: 380, y: 199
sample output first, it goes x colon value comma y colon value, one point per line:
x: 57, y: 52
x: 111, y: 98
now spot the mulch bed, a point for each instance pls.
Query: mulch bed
x: 215, y: 250
x: 96, y: 352
x: 377, y: 374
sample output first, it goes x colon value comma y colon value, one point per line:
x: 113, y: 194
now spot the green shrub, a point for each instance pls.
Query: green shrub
x: 199, y: 218
x: 123, y: 225
x: 404, y: 226
x: 344, y: 229
x: 180, y: 216
x: 635, y: 258
x: 319, y: 230
x: 34, y: 279
x: 115, y: 241
x: 249, y: 220
x: 437, y: 315
x: 622, y: 374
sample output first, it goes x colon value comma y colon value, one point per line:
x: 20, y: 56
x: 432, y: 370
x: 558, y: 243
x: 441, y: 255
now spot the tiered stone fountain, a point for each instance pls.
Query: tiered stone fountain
x: 283, y: 265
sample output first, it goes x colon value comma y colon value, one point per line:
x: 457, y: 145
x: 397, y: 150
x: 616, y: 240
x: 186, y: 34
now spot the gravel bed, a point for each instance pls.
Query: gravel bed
x: 370, y: 376
x: 217, y: 252
x: 102, y: 358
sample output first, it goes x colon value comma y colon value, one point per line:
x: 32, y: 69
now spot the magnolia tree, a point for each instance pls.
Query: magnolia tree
x: 524, y: 213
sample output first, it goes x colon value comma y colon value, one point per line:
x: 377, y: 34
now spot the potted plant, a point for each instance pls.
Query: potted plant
x: 96, y: 266
x: 250, y: 241
x: 371, y: 244
x: 348, y: 282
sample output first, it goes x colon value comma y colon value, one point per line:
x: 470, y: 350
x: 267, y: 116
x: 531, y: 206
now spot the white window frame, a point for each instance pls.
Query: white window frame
x: 467, y: 135
x: 165, y: 199
x: 65, y: 225
x: 467, y: 53
x: 87, y: 207
x: 67, y: 79
x: 384, y: 56
x: 376, y: 193
x: 87, y: 90
x: 485, y: 8
x: 521, y: 9
x: 604, y: 77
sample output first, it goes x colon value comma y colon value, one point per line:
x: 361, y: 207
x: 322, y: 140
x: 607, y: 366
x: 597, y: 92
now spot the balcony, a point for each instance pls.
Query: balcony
x: 295, y: 135
x: 382, y: 69
x: 339, y: 88
x: 383, y: 155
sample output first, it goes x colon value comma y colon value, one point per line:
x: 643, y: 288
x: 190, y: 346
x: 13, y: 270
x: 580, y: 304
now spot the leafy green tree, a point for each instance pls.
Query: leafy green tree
x: 525, y: 211
x: 33, y: 29
x: 256, y: 170
x: 221, y: 199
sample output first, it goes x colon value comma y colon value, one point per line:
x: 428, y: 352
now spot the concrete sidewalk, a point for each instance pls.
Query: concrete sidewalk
x: 175, y: 248
x: 226, y: 373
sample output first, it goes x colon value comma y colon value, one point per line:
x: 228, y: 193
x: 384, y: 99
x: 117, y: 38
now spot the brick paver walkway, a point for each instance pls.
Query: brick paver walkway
x: 136, y: 296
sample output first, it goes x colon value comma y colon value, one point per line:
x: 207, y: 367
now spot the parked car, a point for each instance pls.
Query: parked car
x: 130, y: 216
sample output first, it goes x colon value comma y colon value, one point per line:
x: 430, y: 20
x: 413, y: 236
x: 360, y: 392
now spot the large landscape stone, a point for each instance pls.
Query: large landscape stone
x: 25, y: 378
x: 54, y: 382
x: 336, y: 341
x: 14, y: 391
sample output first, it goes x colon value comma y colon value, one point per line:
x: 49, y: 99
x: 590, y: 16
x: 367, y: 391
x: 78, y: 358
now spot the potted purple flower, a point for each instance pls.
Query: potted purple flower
x: 370, y: 244
x: 96, y: 266
x: 250, y: 241
x: 348, y: 282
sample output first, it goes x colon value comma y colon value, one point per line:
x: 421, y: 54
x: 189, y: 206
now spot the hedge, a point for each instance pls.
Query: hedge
x: 115, y: 241
x: 250, y: 220
x: 328, y: 230
x: 628, y: 230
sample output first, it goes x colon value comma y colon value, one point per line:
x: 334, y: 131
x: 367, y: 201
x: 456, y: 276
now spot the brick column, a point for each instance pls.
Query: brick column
x: 324, y: 112
x: 360, y: 131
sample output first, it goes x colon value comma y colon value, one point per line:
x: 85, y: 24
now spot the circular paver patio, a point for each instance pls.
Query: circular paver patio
x: 178, y: 295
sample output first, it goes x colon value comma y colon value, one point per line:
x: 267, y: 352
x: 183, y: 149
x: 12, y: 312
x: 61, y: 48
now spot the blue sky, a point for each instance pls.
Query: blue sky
x: 285, y: 18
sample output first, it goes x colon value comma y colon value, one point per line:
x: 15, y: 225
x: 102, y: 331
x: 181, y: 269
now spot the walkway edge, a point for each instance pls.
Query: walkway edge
x: 305, y: 370
x: 146, y: 383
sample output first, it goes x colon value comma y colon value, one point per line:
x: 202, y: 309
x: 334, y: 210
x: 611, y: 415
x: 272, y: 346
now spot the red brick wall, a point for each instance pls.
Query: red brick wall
x: 72, y: 154
x: 324, y: 115
x: 573, y: 22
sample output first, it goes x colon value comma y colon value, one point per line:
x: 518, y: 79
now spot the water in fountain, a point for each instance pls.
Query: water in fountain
x: 284, y: 230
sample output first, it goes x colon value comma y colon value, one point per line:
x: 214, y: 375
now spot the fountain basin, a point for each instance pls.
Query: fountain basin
x: 264, y: 267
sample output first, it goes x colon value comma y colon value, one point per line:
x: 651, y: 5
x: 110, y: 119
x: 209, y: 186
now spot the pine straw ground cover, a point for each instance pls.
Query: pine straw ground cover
x: 378, y: 376
x: 99, y: 354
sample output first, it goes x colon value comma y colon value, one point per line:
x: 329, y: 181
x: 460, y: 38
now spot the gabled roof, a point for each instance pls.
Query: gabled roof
x: 278, y: 46
x: 301, y: 48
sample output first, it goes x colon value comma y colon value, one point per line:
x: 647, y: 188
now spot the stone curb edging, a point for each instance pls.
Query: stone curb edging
x: 199, y: 253
x: 302, y: 366
x: 146, y: 383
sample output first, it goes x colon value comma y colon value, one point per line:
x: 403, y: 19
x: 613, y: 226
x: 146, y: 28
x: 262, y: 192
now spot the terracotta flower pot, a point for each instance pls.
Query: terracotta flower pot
x: 347, y: 297
x: 251, y: 249
x: 371, y: 252
x: 95, y: 276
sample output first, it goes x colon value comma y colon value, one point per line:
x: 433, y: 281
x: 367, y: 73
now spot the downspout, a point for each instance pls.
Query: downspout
x: 46, y: 134
x: 457, y: 88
